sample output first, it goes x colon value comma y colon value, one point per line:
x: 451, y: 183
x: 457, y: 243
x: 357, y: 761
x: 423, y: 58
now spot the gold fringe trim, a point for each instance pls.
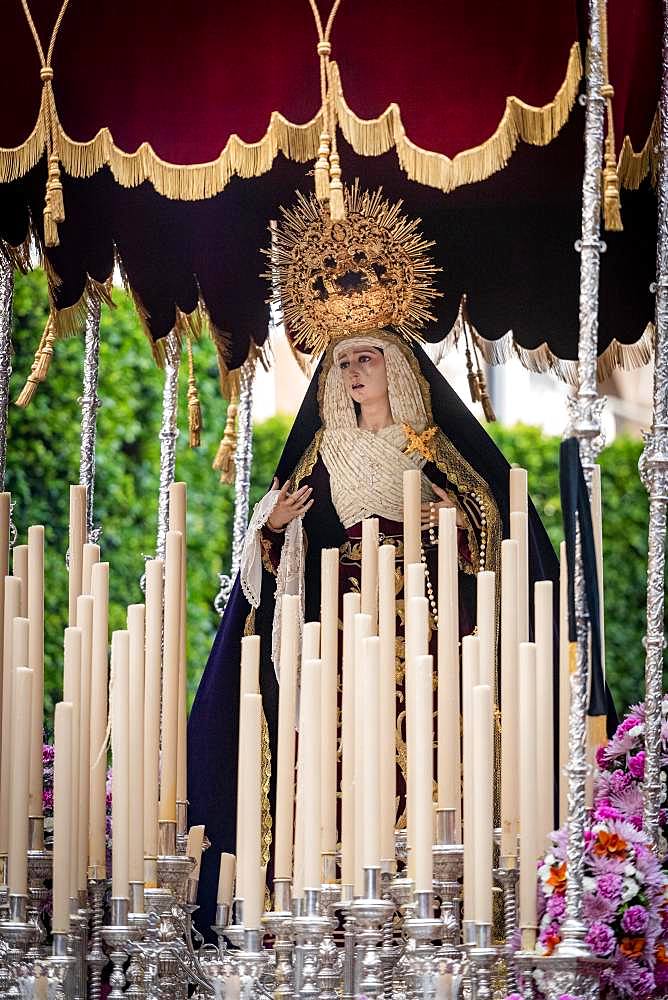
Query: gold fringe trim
x: 18, y: 257
x: 536, y: 125
x: 633, y: 167
x: 70, y: 322
x: 41, y: 364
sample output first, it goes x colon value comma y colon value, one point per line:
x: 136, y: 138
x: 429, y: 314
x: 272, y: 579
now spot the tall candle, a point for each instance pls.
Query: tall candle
x: 77, y: 541
x: 285, y: 768
x: 194, y: 847
x: 545, y: 709
x: 351, y: 608
x: 97, y: 850
x: 91, y: 555
x: 448, y: 751
x: 422, y: 775
x: 11, y: 611
x: 370, y: 754
x: 249, y: 683
x: 72, y: 694
x: 310, y: 651
x: 483, y: 826
x: 528, y: 781
x: 369, y: 582
x: 518, y: 490
x: 362, y: 631
x: 5, y: 500
x: 20, y: 571
x: 387, y: 699
x: 225, y: 879
x: 509, y: 700
x: 486, y: 620
x: 18, y: 819
x: 136, y: 631
x: 154, y: 593
x: 417, y: 642
x: 470, y: 677
x: 36, y: 661
x: 412, y: 516
x: 120, y: 775
x: 414, y: 581
x: 62, y: 817
x: 177, y: 522
x: 329, y: 617
x: 249, y: 852
x: 564, y: 684
x: 170, y: 677
x: 519, y: 533
x: 85, y: 609
x: 309, y: 750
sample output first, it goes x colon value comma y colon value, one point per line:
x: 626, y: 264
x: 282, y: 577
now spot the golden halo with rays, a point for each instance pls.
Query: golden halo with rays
x: 367, y: 271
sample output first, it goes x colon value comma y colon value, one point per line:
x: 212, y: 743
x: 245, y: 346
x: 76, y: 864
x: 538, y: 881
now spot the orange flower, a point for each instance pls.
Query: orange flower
x: 551, y: 942
x: 632, y: 947
x: 557, y: 877
x: 610, y: 844
x: 662, y: 954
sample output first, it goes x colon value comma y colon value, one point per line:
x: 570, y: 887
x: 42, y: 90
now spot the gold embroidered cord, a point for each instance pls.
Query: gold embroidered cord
x: 194, y: 406
x: 612, y: 216
x: 328, y: 186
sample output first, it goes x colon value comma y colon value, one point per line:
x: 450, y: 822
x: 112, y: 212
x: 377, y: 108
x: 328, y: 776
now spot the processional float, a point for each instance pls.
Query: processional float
x: 153, y: 891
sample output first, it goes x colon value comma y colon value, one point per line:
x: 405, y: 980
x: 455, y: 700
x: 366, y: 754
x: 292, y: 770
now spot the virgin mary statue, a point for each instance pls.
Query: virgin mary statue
x: 376, y: 406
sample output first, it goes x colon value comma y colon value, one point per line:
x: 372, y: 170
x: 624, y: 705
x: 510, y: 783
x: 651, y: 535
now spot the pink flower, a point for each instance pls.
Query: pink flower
x: 635, y: 920
x: 637, y: 764
x: 600, y: 938
x: 610, y: 886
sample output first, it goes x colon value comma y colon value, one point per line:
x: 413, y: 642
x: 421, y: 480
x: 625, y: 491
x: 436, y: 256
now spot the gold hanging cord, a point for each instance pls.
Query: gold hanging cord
x: 612, y: 214
x: 474, y: 372
x: 41, y: 364
x: 194, y: 406
x: 328, y: 186
x: 54, y: 209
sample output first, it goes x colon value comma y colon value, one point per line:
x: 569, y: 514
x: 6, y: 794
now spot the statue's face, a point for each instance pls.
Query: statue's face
x: 364, y: 373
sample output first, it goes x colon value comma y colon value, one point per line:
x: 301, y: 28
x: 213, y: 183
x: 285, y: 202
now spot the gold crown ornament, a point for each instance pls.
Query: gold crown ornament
x: 366, y: 271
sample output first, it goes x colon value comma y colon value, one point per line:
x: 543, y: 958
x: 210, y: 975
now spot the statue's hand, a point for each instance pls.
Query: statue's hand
x: 430, y: 509
x: 289, y: 505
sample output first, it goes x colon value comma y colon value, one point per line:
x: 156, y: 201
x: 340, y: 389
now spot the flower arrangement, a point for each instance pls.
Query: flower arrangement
x: 48, y: 759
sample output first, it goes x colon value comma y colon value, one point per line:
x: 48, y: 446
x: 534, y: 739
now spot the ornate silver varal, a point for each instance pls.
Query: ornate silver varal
x: 168, y: 434
x: 90, y: 403
x: 6, y: 306
x: 654, y: 474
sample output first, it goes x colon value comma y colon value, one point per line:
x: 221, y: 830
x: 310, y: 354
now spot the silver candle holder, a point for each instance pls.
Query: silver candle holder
x: 370, y: 913
x: 118, y: 936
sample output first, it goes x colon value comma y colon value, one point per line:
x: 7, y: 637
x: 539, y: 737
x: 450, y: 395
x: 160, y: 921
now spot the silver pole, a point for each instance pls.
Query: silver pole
x: 654, y: 474
x: 168, y: 434
x: 90, y: 403
x: 6, y: 303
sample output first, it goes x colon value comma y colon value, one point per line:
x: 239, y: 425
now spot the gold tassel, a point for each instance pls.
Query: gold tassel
x: 41, y: 364
x: 483, y: 396
x: 54, y: 190
x: 474, y: 388
x: 194, y: 406
x: 224, y: 460
x: 322, y: 169
x: 337, y: 208
x: 50, y: 228
x: 612, y: 209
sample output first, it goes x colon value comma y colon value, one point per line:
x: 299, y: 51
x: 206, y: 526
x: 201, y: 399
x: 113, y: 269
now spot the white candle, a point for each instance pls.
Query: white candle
x: 311, y: 641
x: 414, y: 581
x: 20, y: 571
x: 528, y: 838
x: 170, y: 677
x: 36, y: 661
x: 285, y: 768
x: 249, y: 852
x: 11, y: 611
x: 154, y: 593
x: 351, y: 607
x: 136, y: 631
x: 564, y: 684
x: 422, y: 775
x: 448, y: 752
x: 72, y: 694
x: 417, y: 644
x: 85, y: 608
x: 369, y: 582
x: 470, y: 677
x: 519, y: 533
x: 309, y: 749
x: 486, y: 621
x: 225, y: 879
x: 120, y: 762
x: 362, y: 628
x: 310, y: 651
x: 91, y: 555
x: 97, y: 852
x: 62, y: 817
x: 387, y: 699
x: 370, y: 754
x: 18, y: 821
x: 249, y: 683
x: 5, y: 500
x: 545, y: 709
x: 518, y: 490
x: 483, y: 826
x: 77, y: 541
x: 194, y: 847
x: 329, y: 616
x: 412, y: 516
x: 509, y: 700
x: 177, y: 522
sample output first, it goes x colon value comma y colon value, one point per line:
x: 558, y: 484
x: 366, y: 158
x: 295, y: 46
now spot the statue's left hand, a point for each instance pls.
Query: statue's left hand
x: 431, y: 508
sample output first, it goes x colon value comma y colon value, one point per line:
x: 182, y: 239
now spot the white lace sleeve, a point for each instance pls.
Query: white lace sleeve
x: 250, y: 570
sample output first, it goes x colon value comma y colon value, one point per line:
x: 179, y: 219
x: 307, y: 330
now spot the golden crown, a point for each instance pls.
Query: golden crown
x: 366, y: 271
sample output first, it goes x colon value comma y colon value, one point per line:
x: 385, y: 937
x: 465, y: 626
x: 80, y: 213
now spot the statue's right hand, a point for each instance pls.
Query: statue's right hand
x: 289, y: 505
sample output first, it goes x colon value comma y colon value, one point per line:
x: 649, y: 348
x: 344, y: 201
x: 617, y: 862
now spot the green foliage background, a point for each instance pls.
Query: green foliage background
x: 43, y: 458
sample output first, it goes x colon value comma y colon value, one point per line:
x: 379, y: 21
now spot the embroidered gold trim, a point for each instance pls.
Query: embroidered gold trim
x: 249, y: 627
x: 266, y: 778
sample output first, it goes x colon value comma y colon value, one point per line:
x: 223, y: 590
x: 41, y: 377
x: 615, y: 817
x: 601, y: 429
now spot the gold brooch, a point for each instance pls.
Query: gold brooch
x: 420, y: 443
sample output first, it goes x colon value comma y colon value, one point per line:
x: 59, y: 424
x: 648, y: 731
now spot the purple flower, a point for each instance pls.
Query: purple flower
x: 635, y: 920
x: 600, y: 938
x: 637, y: 764
x: 610, y: 886
x: 597, y: 907
x: 556, y: 905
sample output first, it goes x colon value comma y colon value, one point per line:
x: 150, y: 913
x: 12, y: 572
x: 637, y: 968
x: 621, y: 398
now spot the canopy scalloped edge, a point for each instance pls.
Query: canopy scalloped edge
x: 633, y: 167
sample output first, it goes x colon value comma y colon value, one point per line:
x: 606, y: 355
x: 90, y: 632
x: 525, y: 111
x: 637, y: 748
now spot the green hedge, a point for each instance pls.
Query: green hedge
x: 43, y: 457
